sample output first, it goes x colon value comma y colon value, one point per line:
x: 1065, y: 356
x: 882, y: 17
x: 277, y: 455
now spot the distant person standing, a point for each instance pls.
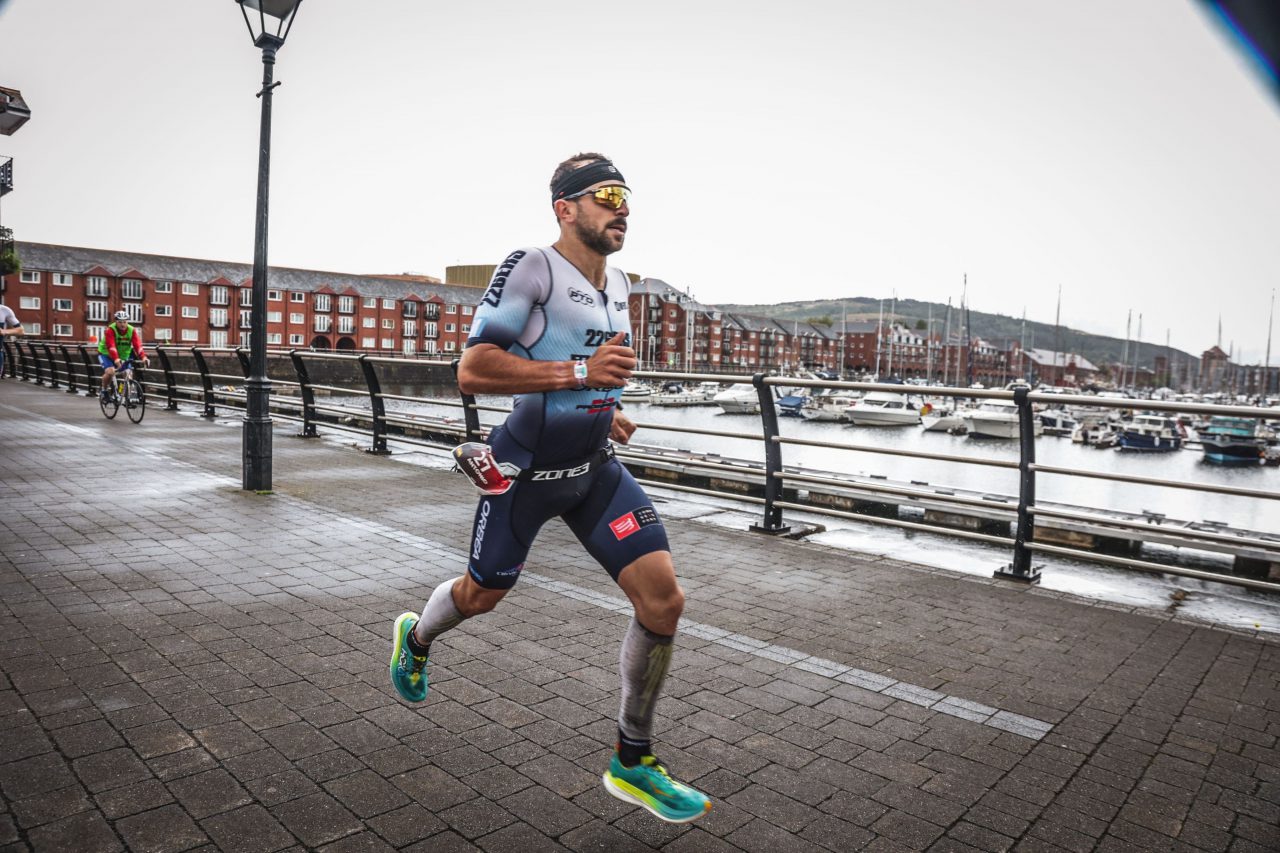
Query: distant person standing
x: 9, y: 327
x: 553, y: 328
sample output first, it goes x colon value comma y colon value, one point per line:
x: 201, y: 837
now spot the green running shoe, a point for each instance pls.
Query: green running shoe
x: 648, y: 785
x: 408, y: 672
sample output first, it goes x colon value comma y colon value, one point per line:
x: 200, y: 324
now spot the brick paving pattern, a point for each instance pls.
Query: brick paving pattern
x: 184, y: 666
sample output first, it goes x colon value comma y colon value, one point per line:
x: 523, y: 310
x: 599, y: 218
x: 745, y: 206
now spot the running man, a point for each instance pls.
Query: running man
x: 118, y: 344
x: 553, y: 329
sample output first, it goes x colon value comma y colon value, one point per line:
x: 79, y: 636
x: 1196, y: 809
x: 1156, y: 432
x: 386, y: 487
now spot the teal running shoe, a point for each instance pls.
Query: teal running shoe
x: 408, y: 672
x: 649, y: 786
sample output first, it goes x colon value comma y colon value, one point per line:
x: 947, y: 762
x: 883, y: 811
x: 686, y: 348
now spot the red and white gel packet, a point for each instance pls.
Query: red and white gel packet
x: 476, y: 461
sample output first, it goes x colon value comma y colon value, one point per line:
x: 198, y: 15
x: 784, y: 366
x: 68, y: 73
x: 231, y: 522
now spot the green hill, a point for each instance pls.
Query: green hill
x: 997, y: 328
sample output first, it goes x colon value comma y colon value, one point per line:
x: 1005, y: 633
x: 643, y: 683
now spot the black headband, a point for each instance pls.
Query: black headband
x: 584, y: 176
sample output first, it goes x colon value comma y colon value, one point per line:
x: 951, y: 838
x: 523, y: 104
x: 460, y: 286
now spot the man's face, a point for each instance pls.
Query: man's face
x: 122, y: 325
x: 598, y: 225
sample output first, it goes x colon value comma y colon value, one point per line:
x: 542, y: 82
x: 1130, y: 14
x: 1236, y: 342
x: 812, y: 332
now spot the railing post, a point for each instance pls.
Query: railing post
x: 170, y: 384
x: 772, y: 521
x: 35, y: 361
x: 308, y: 396
x: 206, y: 383
x: 6, y: 368
x: 23, y: 361
x: 92, y: 376
x: 71, y: 374
x: 1021, y: 569
x: 243, y: 356
x: 377, y: 409
x: 470, y: 416
x: 53, y: 365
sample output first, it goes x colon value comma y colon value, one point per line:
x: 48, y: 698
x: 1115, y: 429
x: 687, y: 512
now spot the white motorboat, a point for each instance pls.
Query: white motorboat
x: 1057, y: 422
x: 739, y: 399
x: 997, y: 419
x: 636, y: 392
x: 943, y: 419
x: 675, y: 394
x: 828, y: 405
x: 880, y: 408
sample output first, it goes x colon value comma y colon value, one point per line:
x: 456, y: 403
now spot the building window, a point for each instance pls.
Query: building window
x: 164, y: 334
x: 467, y: 310
x: 429, y: 329
x: 297, y: 297
x: 451, y: 309
x: 190, y: 312
x: 164, y: 310
x: 131, y: 288
x: 297, y: 318
x: 448, y: 327
x: 273, y: 338
x: 410, y: 329
x: 389, y: 304
x: 246, y: 319
x: 370, y: 302
x: 62, y: 330
x: 433, y: 311
x: 323, y: 324
x: 410, y: 310
x: 189, y: 288
x: 246, y: 297
x: 62, y: 279
x: 33, y: 328
x: 62, y: 305
x: 190, y: 335
x: 30, y: 277
x: 30, y: 303
x: 388, y: 324
x: 388, y: 343
x: 368, y: 343
x: 321, y: 302
x: 217, y: 317
x: 244, y: 339
x: 272, y: 295
x: 96, y: 286
x: 295, y: 340
x: 218, y: 295
x: 97, y: 311
x: 134, y: 310
x: 346, y: 325
x: 346, y: 304
x: 448, y: 346
x: 369, y: 322
x: 429, y: 347
x: 466, y: 328
x: 410, y: 346
x: 218, y: 340
x: 164, y: 287
x: 95, y: 332
x: 273, y: 317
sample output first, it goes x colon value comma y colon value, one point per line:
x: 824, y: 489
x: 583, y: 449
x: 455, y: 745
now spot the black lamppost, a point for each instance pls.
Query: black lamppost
x: 269, y: 22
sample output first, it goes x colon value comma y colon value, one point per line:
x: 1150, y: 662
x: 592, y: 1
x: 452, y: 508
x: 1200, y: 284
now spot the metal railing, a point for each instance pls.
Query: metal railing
x: 200, y: 375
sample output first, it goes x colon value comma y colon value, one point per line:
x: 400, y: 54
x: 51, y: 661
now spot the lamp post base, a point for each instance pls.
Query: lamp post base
x: 256, y: 445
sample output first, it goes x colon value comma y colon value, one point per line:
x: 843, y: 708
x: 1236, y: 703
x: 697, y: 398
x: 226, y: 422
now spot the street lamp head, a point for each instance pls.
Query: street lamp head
x: 269, y: 20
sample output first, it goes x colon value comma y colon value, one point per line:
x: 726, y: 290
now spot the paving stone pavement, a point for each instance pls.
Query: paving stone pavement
x: 188, y: 666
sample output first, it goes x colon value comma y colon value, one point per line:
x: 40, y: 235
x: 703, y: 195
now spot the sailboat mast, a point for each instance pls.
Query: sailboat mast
x: 946, y: 345
x: 1266, y: 369
x: 1137, y: 344
x: 1057, y: 340
x: 928, y: 347
x: 893, y: 313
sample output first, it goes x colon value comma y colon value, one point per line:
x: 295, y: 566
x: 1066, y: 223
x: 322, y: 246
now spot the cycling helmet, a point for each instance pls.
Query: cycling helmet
x: 120, y: 315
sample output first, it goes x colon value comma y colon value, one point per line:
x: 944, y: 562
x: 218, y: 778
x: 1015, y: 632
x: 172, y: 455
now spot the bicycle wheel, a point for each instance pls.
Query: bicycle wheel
x: 110, y: 404
x: 135, y: 401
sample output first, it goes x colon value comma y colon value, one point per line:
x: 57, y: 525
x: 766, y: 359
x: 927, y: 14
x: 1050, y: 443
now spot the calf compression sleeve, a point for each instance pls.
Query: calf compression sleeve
x: 646, y: 657
x: 439, y: 615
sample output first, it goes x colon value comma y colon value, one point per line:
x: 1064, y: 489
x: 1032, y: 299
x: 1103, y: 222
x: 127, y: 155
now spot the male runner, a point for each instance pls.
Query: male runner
x: 119, y: 343
x: 553, y: 329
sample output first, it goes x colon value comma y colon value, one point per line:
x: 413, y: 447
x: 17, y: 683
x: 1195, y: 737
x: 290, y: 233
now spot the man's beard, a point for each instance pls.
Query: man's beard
x: 597, y: 241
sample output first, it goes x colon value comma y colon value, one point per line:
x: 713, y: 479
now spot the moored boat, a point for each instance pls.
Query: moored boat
x: 636, y: 392
x: 828, y: 405
x: 738, y: 399
x: 880, y: 408
x: 997, y: 419
x: 675, y: 394
x: 1149, y: 433
x: 943, y: 419
x: 1232, y: 441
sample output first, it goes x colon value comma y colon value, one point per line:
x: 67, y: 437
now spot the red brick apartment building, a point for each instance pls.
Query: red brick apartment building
x: 70, y: 293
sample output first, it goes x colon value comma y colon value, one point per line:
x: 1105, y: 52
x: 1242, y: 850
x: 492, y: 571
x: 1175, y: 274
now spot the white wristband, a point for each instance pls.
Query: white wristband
x: 580, y: 373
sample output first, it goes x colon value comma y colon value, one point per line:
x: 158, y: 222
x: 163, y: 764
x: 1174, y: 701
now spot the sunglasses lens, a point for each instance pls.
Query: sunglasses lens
x: 615, y: 197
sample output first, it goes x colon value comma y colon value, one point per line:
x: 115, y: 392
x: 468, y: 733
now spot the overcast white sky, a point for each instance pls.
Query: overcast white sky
x: 777, y: 151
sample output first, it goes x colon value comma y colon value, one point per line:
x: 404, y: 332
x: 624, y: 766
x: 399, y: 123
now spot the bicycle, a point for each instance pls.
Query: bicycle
x: 125, y: 391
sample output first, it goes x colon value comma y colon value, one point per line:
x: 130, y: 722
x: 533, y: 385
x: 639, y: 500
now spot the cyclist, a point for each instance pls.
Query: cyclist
x: 119, y: 345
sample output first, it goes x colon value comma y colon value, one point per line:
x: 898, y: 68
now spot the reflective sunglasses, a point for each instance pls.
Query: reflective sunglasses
x: 614, y: 197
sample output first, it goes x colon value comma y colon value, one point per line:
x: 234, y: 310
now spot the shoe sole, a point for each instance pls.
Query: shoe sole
x: 397, y: 646
x: 613, y: 788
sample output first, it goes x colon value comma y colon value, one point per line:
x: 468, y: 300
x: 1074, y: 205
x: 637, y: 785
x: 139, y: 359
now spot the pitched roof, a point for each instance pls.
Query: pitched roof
x: 1059, y: 359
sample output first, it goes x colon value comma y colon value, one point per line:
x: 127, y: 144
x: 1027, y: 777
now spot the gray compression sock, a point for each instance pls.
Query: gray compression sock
x: 438, y: 616
x: 646, y: 657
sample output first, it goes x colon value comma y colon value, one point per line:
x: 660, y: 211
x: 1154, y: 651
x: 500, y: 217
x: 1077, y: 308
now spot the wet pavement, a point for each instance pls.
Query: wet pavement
x: 189, y: 666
